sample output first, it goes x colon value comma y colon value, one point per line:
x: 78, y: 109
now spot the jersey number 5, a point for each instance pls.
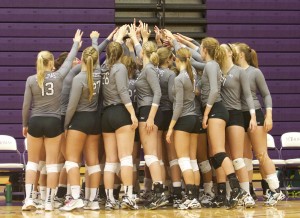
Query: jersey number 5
x: 49, y: 87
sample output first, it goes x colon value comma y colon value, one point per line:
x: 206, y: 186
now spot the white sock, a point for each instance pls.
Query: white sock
x: 148, y: 184
x: 50, y: 195
x: 68, y: 189
x: 29, y: 190
x: 75, y: 191
x: 34, y: 194
x: 87, y: 192
x: 43, y: 190
x: 245, y: 186
x: 208, y: 187
x: 93, y: 193
x: 128, y: 190
x: 110, y: 194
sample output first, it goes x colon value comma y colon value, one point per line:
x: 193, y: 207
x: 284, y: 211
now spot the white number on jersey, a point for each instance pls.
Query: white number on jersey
x: 48, y: 89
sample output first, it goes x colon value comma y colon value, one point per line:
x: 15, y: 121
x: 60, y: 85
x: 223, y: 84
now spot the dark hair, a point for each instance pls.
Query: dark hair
x: 60, y: 60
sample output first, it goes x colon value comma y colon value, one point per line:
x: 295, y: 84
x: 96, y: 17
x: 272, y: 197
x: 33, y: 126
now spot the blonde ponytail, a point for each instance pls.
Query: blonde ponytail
x: 90, y: 58
x: 189, y: 70
x: 150, y: 50
x: 43, y: 59
x: 154, y: 59
x: 220, y: 55
x: 184, y: 55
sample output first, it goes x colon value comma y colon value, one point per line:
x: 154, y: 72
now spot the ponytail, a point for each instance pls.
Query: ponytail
x: 114, y: 52
x: 90, y: 80
x: 40, y: 71
x: 220, y: 55
x: 190, y: 70
x: 254, y: 61
x: 154, y: 59
x: 43, y: 59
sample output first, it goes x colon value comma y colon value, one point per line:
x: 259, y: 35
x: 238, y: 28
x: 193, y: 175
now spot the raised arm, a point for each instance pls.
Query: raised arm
x: 66, y: 66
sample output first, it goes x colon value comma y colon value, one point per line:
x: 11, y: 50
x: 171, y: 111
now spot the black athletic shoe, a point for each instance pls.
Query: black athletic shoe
x: 217, y: 202
x: 236, y: 195
x: 159, y: 200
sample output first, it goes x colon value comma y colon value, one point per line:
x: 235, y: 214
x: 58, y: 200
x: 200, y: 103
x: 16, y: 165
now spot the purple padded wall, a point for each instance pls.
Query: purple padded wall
x: 30, y: 26
x: 272, y: 28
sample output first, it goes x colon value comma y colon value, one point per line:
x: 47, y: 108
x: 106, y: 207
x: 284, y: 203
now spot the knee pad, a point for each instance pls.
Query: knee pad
x: 93, y: 169
x: 70, y: 164
x: 185, y: 164
x: 161, y: 162
x: 150, y: 159
x: 44, y: 170
x: 238, y: 163
x: 194, y: 165
x: 52, y: 168
x: 205, y: 166
x: 173, y: 162
x: 248, y: 163
x: 60, y: 166
x: 32, y: 166
x: 273, y: 181
x: 218, y: 159
x: 41, y: 165
x: 111, y: 167
x: 126, y: 161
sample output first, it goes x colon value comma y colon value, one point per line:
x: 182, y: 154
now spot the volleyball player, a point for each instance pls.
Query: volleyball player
x: 215, y: 119
x: 235, y: 84
x: 148, y: 99
x: 82, y: 124
x: 43, y: 93
x: 247, y: 59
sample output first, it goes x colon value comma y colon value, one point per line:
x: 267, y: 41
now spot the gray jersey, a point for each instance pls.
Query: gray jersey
x: 211, y: 83
x: 257, y: 83
x: 115, y: 86
x: 236, y: 84
x: 198, y: 104
x: 100, y: 48
x: 147, y: 87
x: 67, y: 83
x: 79, y: 95
x: 184, y: 96
x: 166, y: 81
x: 46, y: 101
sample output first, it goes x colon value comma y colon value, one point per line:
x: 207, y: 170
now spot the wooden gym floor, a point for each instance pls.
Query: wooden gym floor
x: 287, y: 209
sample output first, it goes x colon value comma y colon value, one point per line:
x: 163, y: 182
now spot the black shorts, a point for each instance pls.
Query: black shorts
x: 166, y: 119
x: 87, y: 122
x: 114, y: 117
x: 219, y: 111
x: 200, y: 130
x: 144, y: 113
x: 48, y: 127
x: 236, y: 118
x: 62, y: 120
x: 190, y: 124
x: 260, y: 118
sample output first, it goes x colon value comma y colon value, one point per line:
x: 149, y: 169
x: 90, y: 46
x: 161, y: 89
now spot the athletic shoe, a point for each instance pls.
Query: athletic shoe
x: 101, y: 201
x: 190, y: 204
x: 110, y: 205
x: 72, y: 204
x: 92, y: 205
x: 49, y: 206
x: 249, y: 202
x: 58, y: 202
x: 28, y: 205
x: 158, y: 200
x: 236, y: 195
x: 145, y: 196
x: 206, y: 200
x: 176, y: 202
x: 39, y: 203
x: 128, y: 203
x: 217, y: 202
x: 274, y: 198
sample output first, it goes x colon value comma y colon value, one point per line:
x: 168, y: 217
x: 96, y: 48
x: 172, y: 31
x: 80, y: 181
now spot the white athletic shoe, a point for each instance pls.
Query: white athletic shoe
x: 28, y: 205
x: 189, y: 204
x: 49, y: 206
x: 58, y: 202
x: 274, y: 198
x: 92, y: 205
x: 72, y: 204
x: 249, y: 201
x: 128, y: 203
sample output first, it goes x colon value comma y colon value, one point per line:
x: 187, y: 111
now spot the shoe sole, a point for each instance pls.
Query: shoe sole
x: 160, y: 205
x: 29, y: 208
